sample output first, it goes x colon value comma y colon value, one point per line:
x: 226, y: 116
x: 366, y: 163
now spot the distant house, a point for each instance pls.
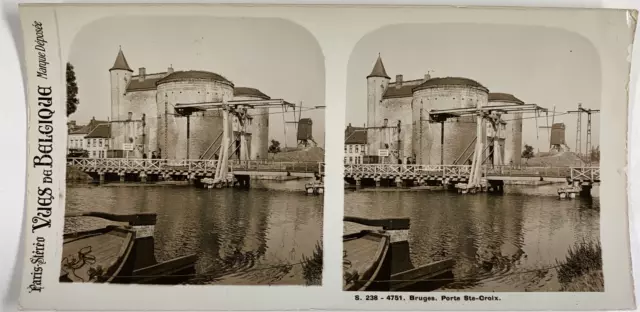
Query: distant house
x: 97, y: 142
x: 76, y: 135
x: 355, y: 145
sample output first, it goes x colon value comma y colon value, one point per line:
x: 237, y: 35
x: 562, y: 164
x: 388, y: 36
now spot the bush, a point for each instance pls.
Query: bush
x: 312, y: 266
x: 584, y: 259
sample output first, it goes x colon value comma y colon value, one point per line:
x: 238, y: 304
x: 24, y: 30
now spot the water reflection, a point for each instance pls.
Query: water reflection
x: 492, y: 238
x: 255, y: 236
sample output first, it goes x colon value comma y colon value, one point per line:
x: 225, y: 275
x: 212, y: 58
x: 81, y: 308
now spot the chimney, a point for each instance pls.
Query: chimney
x: 398, y: 81
x: 141, y: 73
x: 93, y: 118
x: 427, y: 77
x: 386, y: 121
x: 130, y: 116
x: 170, y: 69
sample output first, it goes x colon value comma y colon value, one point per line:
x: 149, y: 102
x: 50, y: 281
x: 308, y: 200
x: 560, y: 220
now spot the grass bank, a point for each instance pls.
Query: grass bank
x: 312, y: 266
x: 581, y: 270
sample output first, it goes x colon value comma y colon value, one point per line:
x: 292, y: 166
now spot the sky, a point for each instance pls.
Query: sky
x: 544, y: 66
x: 279, y: 58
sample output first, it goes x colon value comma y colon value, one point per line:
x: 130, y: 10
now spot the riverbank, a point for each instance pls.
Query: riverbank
x: 77, y: 176
x: 582, y: 268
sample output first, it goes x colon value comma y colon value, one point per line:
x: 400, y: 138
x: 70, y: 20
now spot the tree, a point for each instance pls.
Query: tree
x: 274, y: 147
x: 595, y: 153
x: 528, y: 152
x: 72, y: 90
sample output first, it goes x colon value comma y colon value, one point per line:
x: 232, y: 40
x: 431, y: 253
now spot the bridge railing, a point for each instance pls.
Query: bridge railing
x: 465, y: 170
x: 585, y: 173
x: 523, y: 171
x: 124, y: 164
x: 404, y: 170
x: 265, y: 165
x: 117, y: 163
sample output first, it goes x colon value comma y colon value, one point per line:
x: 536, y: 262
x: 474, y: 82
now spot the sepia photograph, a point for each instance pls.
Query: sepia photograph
x: 472, y: 160
x: 195, y: 152
x: 181, y: 152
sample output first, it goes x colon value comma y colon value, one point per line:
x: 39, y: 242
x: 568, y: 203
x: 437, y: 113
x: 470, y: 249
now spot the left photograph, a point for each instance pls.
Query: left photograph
x: 195, y: 152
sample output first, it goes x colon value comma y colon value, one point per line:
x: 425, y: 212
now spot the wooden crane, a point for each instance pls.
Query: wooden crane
x: 491, y: 114
x: 234, y: 109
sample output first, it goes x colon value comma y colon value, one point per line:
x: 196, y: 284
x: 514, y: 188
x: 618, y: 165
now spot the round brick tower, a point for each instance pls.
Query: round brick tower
x: 513, y: 135
x: 184, y: 87
x: 259, y: 127
x: 459, y: 133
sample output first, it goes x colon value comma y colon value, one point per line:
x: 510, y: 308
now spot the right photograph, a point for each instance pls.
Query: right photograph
x: 471, y: 160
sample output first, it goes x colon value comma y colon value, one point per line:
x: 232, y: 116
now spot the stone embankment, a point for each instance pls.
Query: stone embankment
x: 75, y: 175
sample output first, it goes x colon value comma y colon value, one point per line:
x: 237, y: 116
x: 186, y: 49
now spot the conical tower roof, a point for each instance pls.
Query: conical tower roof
x: 121, y: 62
x: 378, y: 69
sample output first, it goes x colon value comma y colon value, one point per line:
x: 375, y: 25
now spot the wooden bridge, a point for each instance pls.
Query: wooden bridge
x: 191, y: 168
x: 452, y: 174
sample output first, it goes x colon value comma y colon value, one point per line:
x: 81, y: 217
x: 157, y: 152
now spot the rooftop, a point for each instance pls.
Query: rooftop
x: 504, y: 97
x: 355, y: 135
x: 102, y: 131
x: 451, y: 81
x: 194, y: 75
x: 121, y: 62
x: 149, y: 82
x: 244, y: 91
x: 378, y: 69
x: 86, y: 129
x: 406, y: 90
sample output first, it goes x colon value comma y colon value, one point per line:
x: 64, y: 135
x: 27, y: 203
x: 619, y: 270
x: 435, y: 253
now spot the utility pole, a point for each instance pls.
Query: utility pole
x: 581, y: 111
x: 550, y: 127
x: 188, y: 134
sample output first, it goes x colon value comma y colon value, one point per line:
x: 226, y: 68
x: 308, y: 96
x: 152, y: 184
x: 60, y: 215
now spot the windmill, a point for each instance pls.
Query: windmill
x: 304, y: 127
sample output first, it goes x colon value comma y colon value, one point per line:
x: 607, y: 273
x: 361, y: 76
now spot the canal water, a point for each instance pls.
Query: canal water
x: 499, y: 242
x: 253, y: 237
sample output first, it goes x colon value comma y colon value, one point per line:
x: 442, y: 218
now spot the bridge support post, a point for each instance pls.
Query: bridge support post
x: 377, y: 181
x: 122, y: 175
x: 358, y: 182
x: 398, y: 182
x: 143, y: 177
x: 495, y: 186
x: 101, y: 177
x: 585, y: 190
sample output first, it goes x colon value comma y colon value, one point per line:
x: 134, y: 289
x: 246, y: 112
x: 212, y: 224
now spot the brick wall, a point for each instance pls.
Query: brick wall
x: 376, y: 87
x: 204, y: 126
x: 458, y: 133
x: 259, y: 129
x: 395, y: 109
x: 513, y: 136
x: 129, y: 132
x: 119, y: 81
x: 144, y: 103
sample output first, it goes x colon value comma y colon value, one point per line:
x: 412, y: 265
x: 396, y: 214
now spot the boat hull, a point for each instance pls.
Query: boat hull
x: 385, y: 265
